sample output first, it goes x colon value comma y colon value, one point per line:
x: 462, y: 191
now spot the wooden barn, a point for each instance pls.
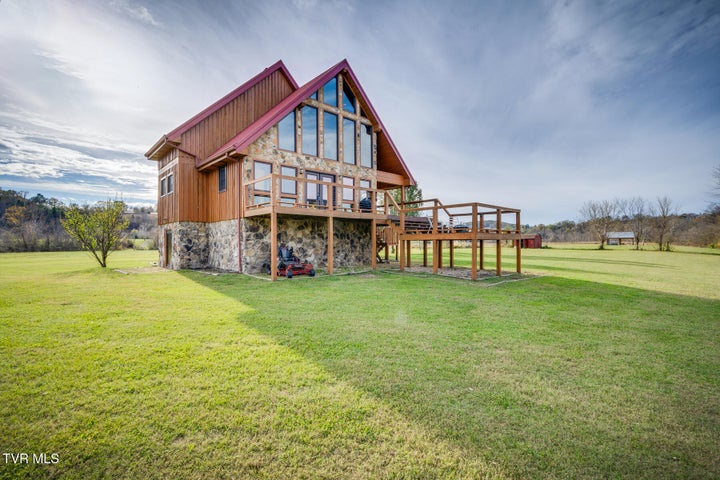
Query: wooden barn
x: 309, y: 167
x: 531, y: 240
x: 621, y: 238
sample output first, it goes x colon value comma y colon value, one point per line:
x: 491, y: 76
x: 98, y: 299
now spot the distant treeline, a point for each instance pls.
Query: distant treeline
x: 652, y: 223
x: 33, y: 224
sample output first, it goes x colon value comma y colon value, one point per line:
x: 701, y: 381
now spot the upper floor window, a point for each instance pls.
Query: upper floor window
x: 167, y: 185
x: 349, y: 141
x: 330, y: 136
x: 309, y: 131
x: 261, y: 170
x: 222, y: 179
x: 288, y: 186
x: 330, y: 92
x: 366, y: 146
x: 286, y: 132
x: 348, y: 99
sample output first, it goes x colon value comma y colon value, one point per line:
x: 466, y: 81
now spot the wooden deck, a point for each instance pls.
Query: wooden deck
x: 428, y: 221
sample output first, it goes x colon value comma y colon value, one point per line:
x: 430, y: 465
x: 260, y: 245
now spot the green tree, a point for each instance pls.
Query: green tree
x: 413, y: 193
x: 98, y: 229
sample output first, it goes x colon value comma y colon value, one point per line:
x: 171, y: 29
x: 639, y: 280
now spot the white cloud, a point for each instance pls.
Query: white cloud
x: 138, y: 12
x: 539, y: 105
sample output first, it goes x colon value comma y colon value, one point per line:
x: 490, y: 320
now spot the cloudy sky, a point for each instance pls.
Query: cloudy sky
x: 538, y: 105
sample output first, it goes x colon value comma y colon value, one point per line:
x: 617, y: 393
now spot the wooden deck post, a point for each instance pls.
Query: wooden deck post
x: 473, y: 247
x: 452, y: 253
x: 373, y: 241
x: 440, y: 254
x: 330, y: 242
x: 400, y: 252
x: 498, y: 246
x: 408, y: 253
x: 425, y: 249
x: 273, y: 245
x: 518, y: 255
x: 435, y: 248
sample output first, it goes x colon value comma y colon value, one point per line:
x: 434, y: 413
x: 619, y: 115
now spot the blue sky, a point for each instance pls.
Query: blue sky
x: 534, y: 105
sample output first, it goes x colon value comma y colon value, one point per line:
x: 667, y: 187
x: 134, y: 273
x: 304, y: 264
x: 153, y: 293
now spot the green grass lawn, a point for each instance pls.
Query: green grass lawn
x: 605, y: 366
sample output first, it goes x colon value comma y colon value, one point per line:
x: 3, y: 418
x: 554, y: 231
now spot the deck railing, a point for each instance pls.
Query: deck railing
x: 462, y: 217
x: 277, y: 190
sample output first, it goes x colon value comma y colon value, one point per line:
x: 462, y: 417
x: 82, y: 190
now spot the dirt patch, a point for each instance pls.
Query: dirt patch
x: 130, y: 271
x: 464, y: 273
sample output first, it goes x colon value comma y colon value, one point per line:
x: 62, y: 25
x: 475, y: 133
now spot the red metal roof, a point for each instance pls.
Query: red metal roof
x: 243, y: 139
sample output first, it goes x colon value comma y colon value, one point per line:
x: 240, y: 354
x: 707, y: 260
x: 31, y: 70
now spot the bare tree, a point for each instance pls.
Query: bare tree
x: 99, y: 229
x: 22, y: 222
x: 636, y: 210
x: 716, y: 185
x: 600, y: 216
x: 665, y: 220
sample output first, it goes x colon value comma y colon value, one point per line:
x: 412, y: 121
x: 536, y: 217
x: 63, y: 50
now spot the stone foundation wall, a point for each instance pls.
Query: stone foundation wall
x: 201, y: 245
x: 215, y: 245
x: 308, y: 238
x: 222, y: 241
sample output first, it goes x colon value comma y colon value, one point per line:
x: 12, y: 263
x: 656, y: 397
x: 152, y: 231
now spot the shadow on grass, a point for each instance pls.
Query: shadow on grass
x: 550, y: 378
x: 605, y: 261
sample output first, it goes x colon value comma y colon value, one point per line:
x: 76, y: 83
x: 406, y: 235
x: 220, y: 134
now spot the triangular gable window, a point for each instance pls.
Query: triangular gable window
x: 330, y: 92
x: 348, y: 99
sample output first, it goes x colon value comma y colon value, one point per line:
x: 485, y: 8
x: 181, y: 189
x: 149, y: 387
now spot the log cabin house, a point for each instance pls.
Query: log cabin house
x: 310, y: 167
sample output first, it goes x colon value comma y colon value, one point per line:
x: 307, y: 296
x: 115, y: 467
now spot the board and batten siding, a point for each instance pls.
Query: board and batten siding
x: 218, y: 205
x: 214, y: 131
x: 168, y: 204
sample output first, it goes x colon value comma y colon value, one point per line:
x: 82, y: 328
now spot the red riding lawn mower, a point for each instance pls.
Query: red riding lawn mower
x: 289, y: 265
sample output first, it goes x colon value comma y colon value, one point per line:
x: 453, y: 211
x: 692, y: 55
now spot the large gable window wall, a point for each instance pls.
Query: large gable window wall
x: 286, y: 132
x: 330, y: 93
x: 332, y: 124
x: 309, y: 130
x: 330, y: 139
x: 366, y: 146
x: 348, y: 140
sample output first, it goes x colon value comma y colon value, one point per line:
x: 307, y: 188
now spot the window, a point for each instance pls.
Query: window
x: 330, y: 92
x: 348, y: 140
x: 319, y: 194
x: 222, y: 179
x: 309, y: 131
x: 261, y: 170
x: 366, y: 197
x: 286, y: 132
x: 314, y: 95
x: 366, y: 146
x: 348, y: 99
x: 167, y: 185
x: 288, y: 186
x: 348, y: 194
x: 330, y: 143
